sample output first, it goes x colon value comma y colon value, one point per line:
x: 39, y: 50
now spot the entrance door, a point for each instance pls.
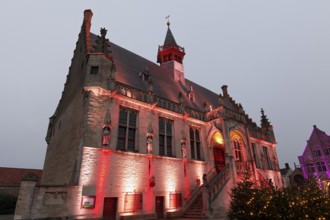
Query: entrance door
x: 160, y: 206
x: 110, y: 208
x: 219, y: 159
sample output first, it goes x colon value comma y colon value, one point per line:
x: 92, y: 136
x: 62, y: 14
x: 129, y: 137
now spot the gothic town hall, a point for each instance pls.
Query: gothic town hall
x: 135, y: 139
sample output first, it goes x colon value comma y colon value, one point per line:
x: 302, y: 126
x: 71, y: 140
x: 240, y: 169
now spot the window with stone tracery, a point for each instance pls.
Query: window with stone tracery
x: 267, y: 161
x: 195, y: 143
x: 127, y: 129
x: 165, y: 137
x: 255, y: 156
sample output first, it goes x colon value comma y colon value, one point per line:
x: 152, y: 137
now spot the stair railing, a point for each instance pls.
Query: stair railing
x: 196, y: 192
x: 218, y: 182
x: 262, y: 181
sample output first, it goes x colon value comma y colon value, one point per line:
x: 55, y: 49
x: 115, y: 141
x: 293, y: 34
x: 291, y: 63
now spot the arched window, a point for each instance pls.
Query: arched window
x: 237, y: 150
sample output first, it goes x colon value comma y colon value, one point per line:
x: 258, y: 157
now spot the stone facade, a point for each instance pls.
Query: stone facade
x: 133, y: 139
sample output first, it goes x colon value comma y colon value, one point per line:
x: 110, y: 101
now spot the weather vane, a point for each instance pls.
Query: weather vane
x: 168, y: 20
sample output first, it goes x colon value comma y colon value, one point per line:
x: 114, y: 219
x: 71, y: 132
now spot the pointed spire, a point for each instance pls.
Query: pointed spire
x: 264, y: 120
x: 169, y: 39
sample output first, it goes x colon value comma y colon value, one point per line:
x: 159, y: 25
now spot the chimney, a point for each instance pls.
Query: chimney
x: 224, y: 90
x: 88, y: 15
x: 87, y: 23
x: 287, y: 166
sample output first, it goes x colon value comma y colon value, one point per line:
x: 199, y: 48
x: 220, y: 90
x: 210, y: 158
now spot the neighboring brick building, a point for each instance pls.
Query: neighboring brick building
x: 135, y: 139
x: 315, y: 159
x: 11, y: 178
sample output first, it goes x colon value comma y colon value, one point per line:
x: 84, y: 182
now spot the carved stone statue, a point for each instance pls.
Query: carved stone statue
x: 106, y: 135
x: 149, y: 143
x: 184, y: 148
x: 205, y: 182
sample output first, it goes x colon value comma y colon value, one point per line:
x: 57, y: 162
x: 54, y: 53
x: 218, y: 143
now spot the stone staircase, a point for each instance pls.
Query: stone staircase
x: 196, y: 209
x: 216, y: 182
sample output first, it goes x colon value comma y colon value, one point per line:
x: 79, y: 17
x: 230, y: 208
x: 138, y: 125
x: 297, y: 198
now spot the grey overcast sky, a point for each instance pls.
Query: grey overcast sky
x: 272, y: 54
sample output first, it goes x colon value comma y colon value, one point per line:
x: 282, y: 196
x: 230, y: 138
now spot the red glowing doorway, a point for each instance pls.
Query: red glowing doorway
x: 217, y: 144
x: 219, y: 159
x: 110, y: 208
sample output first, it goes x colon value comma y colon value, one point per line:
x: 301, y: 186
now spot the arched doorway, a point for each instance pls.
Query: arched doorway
x: 218, y: 151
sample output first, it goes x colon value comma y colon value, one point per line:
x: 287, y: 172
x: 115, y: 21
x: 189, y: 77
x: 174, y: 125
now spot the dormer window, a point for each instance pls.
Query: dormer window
x: 144, y: 75
x: 191, y: 94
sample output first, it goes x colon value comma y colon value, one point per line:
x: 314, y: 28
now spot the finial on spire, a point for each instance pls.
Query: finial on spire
x: 168, y: 20
x: 103, y: 32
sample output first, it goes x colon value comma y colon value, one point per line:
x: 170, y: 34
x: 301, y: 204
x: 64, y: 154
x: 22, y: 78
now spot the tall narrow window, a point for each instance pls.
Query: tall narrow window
x: 267, y: 161
x: 126, y: 129
x: 237, y: 150
x: 165, y: 137
x: 255, y: 154
x: 195, y: 143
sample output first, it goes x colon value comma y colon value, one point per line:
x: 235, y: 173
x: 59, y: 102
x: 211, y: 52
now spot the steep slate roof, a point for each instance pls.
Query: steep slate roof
x: 169, y: 37
x: 129, y: 65
x: 14, y: 176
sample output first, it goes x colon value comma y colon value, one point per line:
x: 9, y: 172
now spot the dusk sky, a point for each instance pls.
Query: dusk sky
x: 273, y: 55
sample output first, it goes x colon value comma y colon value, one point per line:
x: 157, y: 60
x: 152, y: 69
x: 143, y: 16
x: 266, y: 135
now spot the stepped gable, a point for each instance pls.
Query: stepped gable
x: 319, y: 137
x: 231, y: 104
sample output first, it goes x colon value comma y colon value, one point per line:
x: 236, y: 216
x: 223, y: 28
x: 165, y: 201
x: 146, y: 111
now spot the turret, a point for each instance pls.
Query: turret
x: 170, y: 56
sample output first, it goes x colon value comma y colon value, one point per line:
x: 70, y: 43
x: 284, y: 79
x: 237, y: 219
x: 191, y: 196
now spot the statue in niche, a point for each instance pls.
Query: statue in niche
x: 149, y: 143
x: 106, y: 134
x: 184, y: 148
x: 150, y: 136
x: 205, y: 182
